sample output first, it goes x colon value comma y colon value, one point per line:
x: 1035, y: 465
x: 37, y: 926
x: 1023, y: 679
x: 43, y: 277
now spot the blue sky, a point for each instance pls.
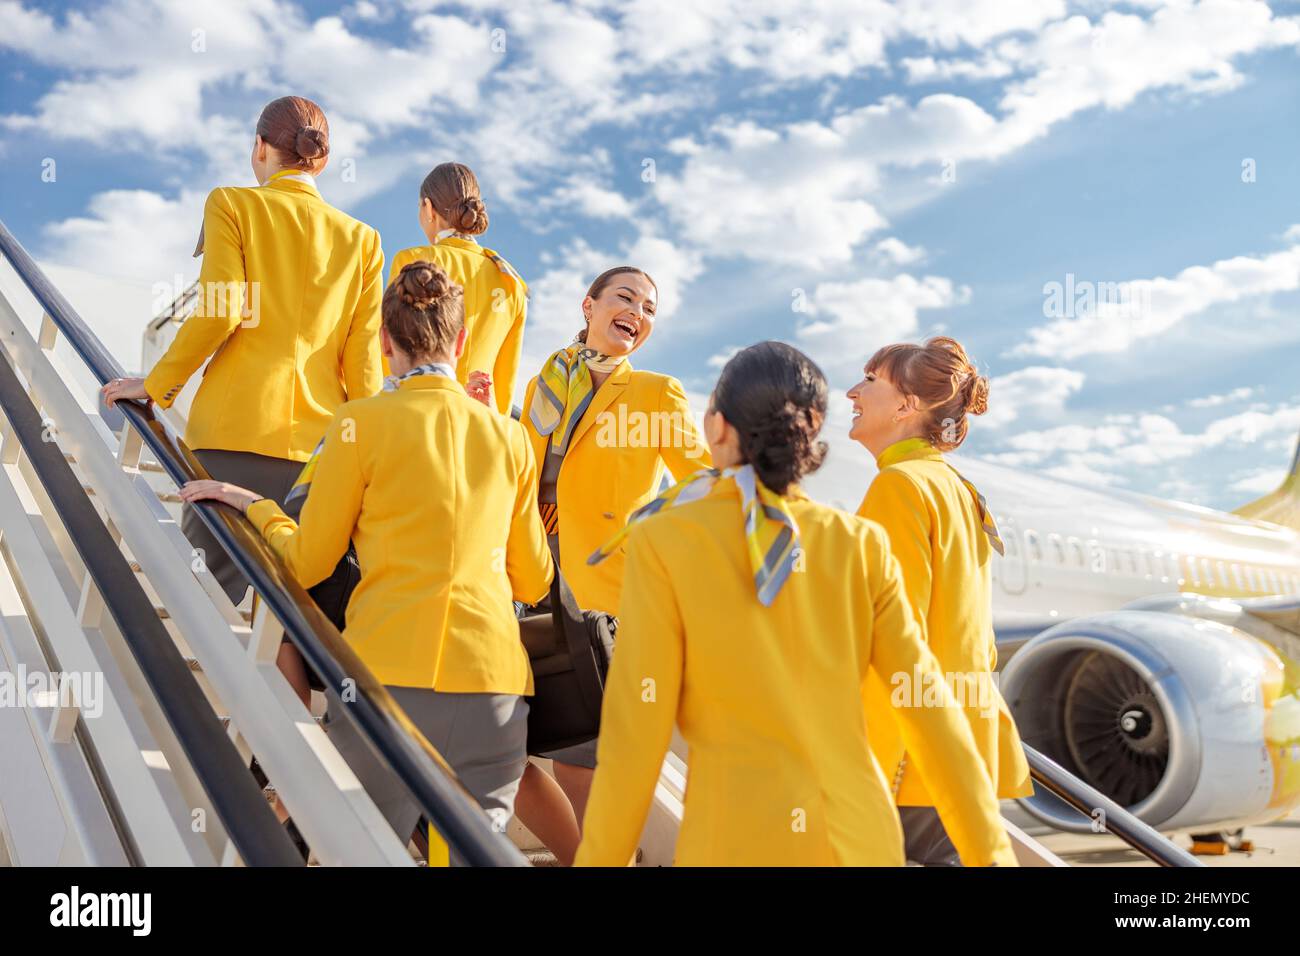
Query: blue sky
x: 898, y: 169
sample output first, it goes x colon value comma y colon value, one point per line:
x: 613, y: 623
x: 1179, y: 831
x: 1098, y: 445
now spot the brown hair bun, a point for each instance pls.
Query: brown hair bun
x: 423, y: 310
x: 452, y: 190
x: 311, y: 143
x: 296, y: 127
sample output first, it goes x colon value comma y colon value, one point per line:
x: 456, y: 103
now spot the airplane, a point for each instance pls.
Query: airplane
x: 1151, y: 647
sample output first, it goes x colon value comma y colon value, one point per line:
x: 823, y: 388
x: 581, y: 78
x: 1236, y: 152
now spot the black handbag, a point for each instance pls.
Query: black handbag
x: 570, y: 651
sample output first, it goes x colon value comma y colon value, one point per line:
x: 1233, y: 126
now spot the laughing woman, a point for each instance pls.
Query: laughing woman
x: 452, y: 214
x: 910, y: 408
x: 603, y: 435
x: 740, y: 630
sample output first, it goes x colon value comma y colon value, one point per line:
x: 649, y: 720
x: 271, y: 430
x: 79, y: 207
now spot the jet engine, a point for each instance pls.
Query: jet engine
x: 1174, y: 710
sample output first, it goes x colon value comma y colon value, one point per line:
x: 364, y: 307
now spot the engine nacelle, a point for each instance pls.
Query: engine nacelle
x: 1166, y: 714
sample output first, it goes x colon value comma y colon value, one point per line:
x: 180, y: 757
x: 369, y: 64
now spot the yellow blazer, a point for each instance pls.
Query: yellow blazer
x: 495, y: 310
x: 437, y: 492
x: 637, y: 423
x: 299, y: 343
x: 770, y: 700
x: 934, y: 529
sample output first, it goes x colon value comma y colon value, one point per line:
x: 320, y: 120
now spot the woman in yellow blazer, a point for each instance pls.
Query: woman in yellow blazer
x: 496, y: 298
x: 437, y: 494
x: 287, y: 320
x: 911, y: 406
x: 737, y: 626
x: 603, y: 434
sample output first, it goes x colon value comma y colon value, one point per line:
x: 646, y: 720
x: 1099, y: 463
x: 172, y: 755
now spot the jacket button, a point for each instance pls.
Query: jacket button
x: 609, y: 515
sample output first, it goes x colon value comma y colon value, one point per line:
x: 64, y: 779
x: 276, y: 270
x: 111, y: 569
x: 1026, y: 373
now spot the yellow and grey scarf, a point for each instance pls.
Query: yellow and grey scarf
x: 771, y: 534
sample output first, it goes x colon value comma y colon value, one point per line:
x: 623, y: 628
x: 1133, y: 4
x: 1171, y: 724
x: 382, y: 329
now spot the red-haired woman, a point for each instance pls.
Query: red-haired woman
x: 911, y: 406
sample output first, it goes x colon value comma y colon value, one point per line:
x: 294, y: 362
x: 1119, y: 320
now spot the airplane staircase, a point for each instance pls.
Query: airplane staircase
x: 178, y: 689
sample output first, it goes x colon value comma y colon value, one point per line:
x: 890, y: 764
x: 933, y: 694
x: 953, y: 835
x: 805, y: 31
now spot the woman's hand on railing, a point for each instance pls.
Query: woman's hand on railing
x: 479, y: 387
x: 223, y: 491
x: 124, y: 388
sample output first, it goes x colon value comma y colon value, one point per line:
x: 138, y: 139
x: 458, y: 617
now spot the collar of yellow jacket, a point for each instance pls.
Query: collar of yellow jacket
x: 729, y: 487
x: 430, y: 381
x: 294, y: 181
x: 460, y: 242
x: 909, y: 449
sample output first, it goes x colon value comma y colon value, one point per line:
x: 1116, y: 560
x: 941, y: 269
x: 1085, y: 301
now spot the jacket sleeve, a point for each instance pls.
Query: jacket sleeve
x: 687, y: 451
x: 935, y: 730
x: 506, y: 369
x: 362, y: 374
x: 895, y: 503
x: 220, y: 303
x: 528, y: 557
x: 312, y: 548
x: 636, y: 722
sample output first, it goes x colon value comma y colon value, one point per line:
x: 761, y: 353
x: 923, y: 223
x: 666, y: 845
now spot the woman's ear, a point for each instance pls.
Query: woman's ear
x: 385, y: 343
x: 259, y: 148
x: 459, y: 345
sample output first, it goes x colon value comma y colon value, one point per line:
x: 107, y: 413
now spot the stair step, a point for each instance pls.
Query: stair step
x: 169, y: 497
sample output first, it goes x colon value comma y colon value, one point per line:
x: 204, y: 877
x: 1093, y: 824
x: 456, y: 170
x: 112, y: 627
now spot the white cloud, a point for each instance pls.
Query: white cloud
x: 897, y: 252
x: 1259, y: 482
x: 1037, y: 390
x: 132, y: 233
x: 926, y: 69
x: 1222, y: 398
x: 1153, y: 306
x: 850, y: 320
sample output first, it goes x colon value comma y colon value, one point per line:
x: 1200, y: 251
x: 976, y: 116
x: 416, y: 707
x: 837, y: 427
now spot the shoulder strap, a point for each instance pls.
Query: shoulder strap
x: 571, y: 631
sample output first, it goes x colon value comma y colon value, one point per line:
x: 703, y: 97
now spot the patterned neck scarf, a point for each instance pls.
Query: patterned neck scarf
x: 298, y: 493
x: 428, y: 368
x: 911, y: 449
x: 564, y: 390
x: 508, y: 272
x: 771, y: 534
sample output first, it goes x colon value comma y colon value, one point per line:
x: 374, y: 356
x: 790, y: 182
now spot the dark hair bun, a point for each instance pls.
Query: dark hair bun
x: 775, y: 398
x: 784, y: 447
x: 421, y: 284
x: 471, y: 216
x: 311, y: 143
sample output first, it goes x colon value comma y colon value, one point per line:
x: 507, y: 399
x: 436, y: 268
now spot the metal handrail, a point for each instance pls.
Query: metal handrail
x: 424, y: 772
x: 236, y: 798
x: 1088, y: 800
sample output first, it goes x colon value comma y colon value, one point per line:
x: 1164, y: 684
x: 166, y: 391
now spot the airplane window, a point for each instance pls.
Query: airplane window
x: 1098, y: 558
x: 1176, y: 569
x: 1207, y: 572
x: 1032, y: 546
x: 1274, y: 585
x: 1076, y: 552
x: 1236, y: 575
x: 1058, y: 549
x: 1161, y: 569
x: 1194, y: 569
x: 1144, y: 562
x: 1221, y: 574
x: 1252, y: 583
x: 1130, y: 564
